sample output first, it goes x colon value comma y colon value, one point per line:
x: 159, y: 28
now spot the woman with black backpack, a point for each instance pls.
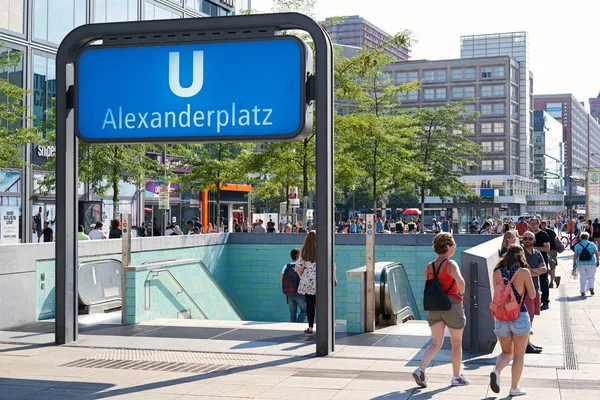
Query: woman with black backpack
x: 442, y: 299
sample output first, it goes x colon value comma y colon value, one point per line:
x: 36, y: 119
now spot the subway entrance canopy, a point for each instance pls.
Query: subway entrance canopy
x: 219, y: 79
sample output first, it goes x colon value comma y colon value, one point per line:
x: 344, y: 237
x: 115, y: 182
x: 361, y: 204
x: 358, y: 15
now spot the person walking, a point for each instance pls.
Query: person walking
x: 542, y: 244
x: 537, y: 268
x: 81, y: 234
x: 96, y: 233
x: 552, y: 255
x: 509, y: 239
x: 513, y: 335
x: 115, y: 232
x: 306, y: 268
x: 47, y: 233
x: 596, y: 232
x: 448, y: 274
x: 289, y: 283
x: 586, y: 261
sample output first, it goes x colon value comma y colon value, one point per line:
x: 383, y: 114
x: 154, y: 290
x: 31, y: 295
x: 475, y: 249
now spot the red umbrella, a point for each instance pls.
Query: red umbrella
x: 412, y: 211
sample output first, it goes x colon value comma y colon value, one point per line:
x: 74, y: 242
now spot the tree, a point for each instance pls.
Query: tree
x: 444, y: 151
x: 372, y: 139
x: 213, y: 166
x: 14, y: 132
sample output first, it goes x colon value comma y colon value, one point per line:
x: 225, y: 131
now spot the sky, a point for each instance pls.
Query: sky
x: 563, y: 55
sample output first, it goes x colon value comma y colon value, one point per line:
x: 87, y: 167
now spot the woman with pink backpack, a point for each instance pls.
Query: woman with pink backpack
x: 512, y: 282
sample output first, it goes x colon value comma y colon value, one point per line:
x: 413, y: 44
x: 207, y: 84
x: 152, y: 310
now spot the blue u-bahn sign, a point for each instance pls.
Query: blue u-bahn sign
x: 244, y: 90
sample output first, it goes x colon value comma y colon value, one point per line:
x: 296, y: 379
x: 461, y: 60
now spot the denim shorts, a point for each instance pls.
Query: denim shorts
x: 517, y: 327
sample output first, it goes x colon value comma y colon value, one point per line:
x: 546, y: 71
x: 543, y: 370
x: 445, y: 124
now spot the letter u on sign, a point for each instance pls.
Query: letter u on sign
x: 197, y: 77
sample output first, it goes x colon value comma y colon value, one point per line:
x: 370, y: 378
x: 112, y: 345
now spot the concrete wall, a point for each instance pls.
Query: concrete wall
x: 247, y: 266
x: 477, y: 267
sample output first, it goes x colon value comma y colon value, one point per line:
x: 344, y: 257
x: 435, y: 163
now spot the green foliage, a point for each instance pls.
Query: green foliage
x: 214, y: 165
x: 13, y: 110
x: 443, y: 149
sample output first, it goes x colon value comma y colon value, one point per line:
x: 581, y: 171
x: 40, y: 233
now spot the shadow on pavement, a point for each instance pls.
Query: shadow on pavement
x: 12, y: 388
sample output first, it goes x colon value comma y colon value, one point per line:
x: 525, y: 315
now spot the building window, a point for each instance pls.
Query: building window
x: 486, y: 128
x: 469, y: 73
x: 514, y: 111
x: 499, y: 127
x: 498, y: 90
x: 434, y: 75
x: 486, y: 72
x: 53, y: 20
x: 469, y: 92
x: 457, y: 74
x: 440, y: 93
x: 410, y: 96
x: 457, y: 93
x: 499, y: 109
x: 498, y: 165
x: 486, y: 165
x: 514, y: 75
x: 154, y: 11
x: 404, y: 77
x: 206, y: 7
x: 11, y: 15
x: 486, y: 91
x: 486, y: 146
x: 514, y: 130
x: 44, y: 86
x: 486, y: 109
x: 115, y: 10
x: 429, y: 94
x: 470, y: 109
x: 12, y: 74
x: 514, y: 149
x: 469, y: 128
x: 499, y: 72
x: 514, y: 93
x: 499, y: 147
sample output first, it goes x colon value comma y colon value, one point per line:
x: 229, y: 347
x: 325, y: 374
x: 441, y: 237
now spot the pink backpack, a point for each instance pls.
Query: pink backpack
x: 504, y: 306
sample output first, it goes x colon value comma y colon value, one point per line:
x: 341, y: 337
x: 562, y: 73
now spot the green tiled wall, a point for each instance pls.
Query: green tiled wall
x: 167, y: 300
x: 353, y: 304
x: 249, y: 274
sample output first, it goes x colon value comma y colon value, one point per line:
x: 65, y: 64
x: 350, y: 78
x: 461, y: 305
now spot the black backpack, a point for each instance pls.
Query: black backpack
x: 435, y: 298
x: 585, y: 254
x: 290, y: 281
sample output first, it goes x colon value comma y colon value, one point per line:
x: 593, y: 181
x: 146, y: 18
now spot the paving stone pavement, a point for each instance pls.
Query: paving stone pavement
x: 101, y: 367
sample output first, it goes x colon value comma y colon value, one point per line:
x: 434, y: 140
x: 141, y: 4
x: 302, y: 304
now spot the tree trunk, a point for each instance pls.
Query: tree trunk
x: 305, y: 168
x: 374, y: 193
x: 115, y: 199
x: 218, y: 207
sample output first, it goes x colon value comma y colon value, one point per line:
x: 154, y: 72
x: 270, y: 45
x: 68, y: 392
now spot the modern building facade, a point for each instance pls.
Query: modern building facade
x: 581, y: 137
x: 356, y: 31
x: 490, y: 86
x: 548, y: 153
x: 34, y: 28
x: 516, y: 46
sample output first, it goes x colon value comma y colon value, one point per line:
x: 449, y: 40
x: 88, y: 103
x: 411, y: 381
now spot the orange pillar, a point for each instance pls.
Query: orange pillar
x: 204, y: 216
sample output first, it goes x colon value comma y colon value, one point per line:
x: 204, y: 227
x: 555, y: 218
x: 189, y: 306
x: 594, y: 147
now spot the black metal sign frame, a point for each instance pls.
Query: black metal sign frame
x: 183, y: 31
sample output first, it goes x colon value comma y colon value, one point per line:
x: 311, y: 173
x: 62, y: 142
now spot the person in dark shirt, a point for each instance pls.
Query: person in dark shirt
x: 552, y: 254
x: 542, y: 243
x: 48, y: 233
x: 115, y: 232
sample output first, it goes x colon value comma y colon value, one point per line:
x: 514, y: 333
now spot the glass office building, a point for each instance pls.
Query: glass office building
x: 34, y: 28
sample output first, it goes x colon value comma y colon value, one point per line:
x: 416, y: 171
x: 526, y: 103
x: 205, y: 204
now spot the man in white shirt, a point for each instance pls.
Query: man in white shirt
x: 97, y: 233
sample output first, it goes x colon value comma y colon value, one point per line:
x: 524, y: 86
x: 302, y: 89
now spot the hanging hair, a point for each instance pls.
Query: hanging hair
x: 508, y: 234
x: 515, y: 255
x: 309, y: 247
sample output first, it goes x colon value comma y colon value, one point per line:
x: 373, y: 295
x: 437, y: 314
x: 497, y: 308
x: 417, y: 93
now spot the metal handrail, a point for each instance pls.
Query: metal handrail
x: 155, y: 272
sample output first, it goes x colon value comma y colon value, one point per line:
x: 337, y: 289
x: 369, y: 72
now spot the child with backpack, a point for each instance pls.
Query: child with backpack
x: 289, y: 285
x: 442, y: 299
x: 585, y: 262
x: 512, y: 283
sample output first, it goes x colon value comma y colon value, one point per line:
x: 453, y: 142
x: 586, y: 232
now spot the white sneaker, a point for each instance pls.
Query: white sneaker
x: 420, y: 378
x: 459, y: 381
x: 517, y: 392
x: 495, y: 381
